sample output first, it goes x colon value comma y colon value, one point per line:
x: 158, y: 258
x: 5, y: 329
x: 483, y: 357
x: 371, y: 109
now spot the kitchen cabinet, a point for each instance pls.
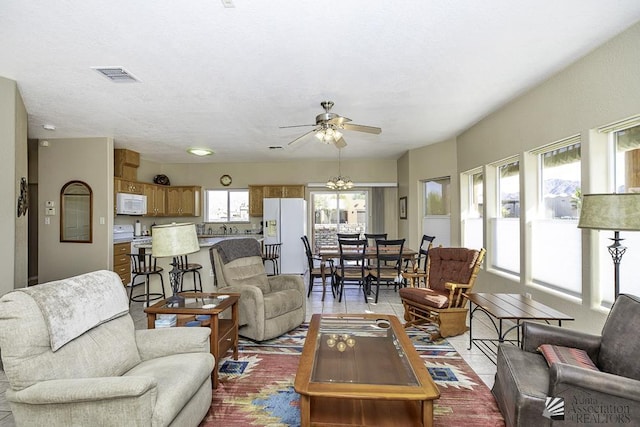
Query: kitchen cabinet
x: 125, y: 164
x: 156, y: 199
x: 121, y: 263
x: 127, y: 186
x: 183, y: 201
x: 259, y: 192
x: 255, y: 200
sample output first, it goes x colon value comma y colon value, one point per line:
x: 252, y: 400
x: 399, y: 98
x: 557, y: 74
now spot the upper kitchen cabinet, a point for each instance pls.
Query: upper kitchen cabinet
x: 259, y: 192
x: 125, y: 164
x: 255, y: 200
x: 183, y: 201
x: 121, y: 185
x: 156, y: 199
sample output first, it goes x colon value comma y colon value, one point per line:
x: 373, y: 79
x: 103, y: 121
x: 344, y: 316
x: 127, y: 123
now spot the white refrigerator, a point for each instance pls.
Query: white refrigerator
x: 285, y: 221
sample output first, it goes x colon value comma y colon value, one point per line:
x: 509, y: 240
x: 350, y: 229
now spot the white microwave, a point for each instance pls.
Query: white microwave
x: 131, y: 204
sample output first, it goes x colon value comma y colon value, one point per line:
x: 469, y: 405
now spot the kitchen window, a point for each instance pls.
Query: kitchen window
x: 226, y: 206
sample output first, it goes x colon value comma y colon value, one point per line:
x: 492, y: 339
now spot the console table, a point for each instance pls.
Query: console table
x: 512, y: 307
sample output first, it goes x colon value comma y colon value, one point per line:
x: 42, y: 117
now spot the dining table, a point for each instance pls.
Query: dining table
x: 326, y: 253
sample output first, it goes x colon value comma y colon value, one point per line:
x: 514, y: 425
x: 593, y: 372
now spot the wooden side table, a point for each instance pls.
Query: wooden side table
x: 224, y: 332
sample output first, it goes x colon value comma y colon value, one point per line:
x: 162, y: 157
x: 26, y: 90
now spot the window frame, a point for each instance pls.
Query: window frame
x: 229, y: 191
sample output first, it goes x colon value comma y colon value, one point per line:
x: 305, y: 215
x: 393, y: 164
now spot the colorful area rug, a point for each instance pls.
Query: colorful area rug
x: 257, y: 389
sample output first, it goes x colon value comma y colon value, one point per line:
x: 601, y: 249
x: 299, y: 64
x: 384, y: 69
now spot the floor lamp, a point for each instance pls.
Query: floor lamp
x: 616, y: 212
x: 174, y: 240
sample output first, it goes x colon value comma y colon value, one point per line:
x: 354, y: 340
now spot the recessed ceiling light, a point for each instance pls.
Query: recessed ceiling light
x: 228, y: 3
x: 200, y: 151
x: 49, y: 127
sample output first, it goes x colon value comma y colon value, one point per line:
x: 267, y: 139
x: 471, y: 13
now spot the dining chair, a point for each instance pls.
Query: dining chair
x: 352, y: 236
x: 387, y: 264
x: 416, y: 270
x: 352, y: 265
x: 372, y: 237
x: 271, y: 253
x: 316, y: 272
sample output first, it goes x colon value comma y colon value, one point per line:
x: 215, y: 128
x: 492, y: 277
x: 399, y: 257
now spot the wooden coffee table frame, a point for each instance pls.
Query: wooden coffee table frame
x: 334, y: 403
x: 224, y: 332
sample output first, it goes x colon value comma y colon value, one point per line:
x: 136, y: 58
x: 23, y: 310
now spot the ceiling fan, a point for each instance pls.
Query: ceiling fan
x: 329, y: 125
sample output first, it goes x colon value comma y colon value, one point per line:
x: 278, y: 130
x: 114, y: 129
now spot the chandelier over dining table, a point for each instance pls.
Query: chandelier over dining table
x: 339, y: 182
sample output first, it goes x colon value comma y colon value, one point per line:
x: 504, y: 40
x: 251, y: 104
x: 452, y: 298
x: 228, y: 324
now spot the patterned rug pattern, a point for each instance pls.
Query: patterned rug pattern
x: 257, y: 389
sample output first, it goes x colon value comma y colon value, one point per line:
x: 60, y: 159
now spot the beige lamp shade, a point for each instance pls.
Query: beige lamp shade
x: 174, y: 240
x: 616, y: 212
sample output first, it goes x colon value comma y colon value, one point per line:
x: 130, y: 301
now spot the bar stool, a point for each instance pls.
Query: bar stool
x: 182, y: 264
x: 143, y: 264
x: 271, y: 253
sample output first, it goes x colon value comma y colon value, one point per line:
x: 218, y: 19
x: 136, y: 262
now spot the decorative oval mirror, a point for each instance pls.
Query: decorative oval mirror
x: 76, y: 211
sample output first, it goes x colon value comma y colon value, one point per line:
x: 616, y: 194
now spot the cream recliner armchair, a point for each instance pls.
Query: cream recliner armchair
x: 73, y: 358
x: 269, y: 305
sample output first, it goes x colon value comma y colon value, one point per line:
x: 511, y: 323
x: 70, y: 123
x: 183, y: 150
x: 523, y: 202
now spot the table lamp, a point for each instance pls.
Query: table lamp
x: 174, y: 240
x: 617, y: 212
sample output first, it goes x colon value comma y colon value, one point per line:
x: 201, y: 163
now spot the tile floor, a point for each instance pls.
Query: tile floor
x: 353, y: 302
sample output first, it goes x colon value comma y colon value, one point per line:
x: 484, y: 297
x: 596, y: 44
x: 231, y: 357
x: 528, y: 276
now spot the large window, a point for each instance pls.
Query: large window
x: 226, y: 206
x: 337, y: 212
x: 556, y: 243
x: 473, y: 213
x: 626, y: 179
x: 437, y: 210
x: 506, y: 224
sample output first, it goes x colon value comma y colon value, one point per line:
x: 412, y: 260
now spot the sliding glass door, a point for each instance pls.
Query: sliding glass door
x: 337, y: 212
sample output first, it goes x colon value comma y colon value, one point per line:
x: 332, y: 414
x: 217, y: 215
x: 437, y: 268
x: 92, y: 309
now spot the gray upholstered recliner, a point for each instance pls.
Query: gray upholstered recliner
x: 73, y: 358
x: 610, y: 396
x: 269, y: 305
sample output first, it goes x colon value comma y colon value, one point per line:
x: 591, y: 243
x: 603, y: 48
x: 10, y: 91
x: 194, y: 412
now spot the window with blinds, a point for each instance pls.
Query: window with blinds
x: 558, y: 265
x: 505, y: 227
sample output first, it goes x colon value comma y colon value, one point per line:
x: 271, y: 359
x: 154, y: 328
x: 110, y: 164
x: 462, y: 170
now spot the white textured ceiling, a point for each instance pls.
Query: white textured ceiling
x: 227, y: 78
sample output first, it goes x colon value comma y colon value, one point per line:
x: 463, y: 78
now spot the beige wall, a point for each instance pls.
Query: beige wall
x: 299, y: 172
x: 600, y: 88
x: 244, y: 174
x: 85, y: 159
x: 13, y: 143
x: 417, y: 166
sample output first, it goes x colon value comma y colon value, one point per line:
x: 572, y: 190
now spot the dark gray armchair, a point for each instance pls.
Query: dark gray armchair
x: 610, y: 396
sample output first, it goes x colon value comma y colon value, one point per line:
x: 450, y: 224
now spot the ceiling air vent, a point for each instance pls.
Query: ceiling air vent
x: 116, y: 74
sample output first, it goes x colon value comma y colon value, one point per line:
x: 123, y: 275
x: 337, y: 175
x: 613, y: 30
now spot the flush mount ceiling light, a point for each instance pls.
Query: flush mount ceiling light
x: 339, y: 182
x: 49, y: 126
x: 200, y: 151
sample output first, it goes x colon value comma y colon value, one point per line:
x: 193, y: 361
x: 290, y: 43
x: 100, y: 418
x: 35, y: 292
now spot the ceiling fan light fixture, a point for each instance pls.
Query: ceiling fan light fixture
x: 328, y: 135
x: 196, y: 151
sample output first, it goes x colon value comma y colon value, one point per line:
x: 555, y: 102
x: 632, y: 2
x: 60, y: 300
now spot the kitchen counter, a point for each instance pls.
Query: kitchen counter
x: 201, y: 257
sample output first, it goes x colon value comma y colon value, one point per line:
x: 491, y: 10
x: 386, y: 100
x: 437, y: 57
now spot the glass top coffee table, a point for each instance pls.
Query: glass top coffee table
x: 362, y: 369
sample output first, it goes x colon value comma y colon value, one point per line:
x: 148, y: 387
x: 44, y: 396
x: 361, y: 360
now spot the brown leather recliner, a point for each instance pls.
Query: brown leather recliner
x: 611, y: 396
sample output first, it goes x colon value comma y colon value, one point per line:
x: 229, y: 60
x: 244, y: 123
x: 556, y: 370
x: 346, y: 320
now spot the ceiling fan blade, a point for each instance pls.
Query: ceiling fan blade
x: 362, y: 128
x: 340, y: 143
x: 338, y: 120
x: 295, y: 126
x: 302, y: 136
